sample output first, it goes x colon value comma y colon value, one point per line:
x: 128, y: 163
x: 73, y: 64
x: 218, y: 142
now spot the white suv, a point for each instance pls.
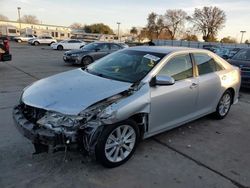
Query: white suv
x: 42, y: 40
x: 24, y: 38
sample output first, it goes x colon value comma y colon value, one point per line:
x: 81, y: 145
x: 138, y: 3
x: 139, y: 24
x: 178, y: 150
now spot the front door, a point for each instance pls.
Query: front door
x: 174, y: 104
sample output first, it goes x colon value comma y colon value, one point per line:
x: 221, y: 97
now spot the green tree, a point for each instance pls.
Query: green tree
x: 228, y: 40
x: 133, y: 31
x: 191, y: 37
x: 98, y: 28
x: 209, y: 20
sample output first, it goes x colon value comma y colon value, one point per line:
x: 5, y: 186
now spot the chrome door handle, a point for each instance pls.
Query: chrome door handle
x: 194, y: 85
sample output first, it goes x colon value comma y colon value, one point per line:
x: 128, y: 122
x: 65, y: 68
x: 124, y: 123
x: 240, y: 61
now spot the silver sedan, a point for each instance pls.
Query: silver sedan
x: 132, y: 94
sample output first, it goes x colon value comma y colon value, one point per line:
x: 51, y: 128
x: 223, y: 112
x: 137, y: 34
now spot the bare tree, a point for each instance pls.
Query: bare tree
x: 30, y: 19
x: 4, y: 18
x: 209, y: 20
x: 174, y: 21
x: 76, y: 25
x: 155, y: 25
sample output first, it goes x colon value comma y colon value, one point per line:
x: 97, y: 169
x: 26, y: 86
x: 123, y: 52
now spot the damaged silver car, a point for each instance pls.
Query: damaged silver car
x: 108, y: 107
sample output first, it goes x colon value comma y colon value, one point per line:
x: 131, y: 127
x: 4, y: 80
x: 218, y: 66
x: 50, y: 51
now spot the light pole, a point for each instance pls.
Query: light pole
x: 19, y: 18
x: 242, y: 33
x: 118, y: 32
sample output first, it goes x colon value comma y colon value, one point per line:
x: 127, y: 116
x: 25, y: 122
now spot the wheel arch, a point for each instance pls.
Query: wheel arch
x: 232, y: 91
x: 141, y: 120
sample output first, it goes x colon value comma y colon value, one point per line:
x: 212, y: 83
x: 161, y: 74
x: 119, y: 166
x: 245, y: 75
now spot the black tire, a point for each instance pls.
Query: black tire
x: 220, y: 113
x: 36, y: 43
x: 19, y: 40
x: 108, y: 130
x: 60, y: 47
x: 86, y: 61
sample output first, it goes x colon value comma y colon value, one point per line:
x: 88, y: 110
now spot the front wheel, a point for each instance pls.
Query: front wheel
x: 60, y: 47
x: 224, y: 105
x: 36, y: 43
x: 86, y: 61
x: 117, y: 143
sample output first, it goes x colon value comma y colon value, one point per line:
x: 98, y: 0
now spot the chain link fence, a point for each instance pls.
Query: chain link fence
x: 194, y: 44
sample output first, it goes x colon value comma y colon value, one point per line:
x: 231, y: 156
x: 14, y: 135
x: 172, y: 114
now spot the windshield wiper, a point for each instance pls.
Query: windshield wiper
x: 94, y: 73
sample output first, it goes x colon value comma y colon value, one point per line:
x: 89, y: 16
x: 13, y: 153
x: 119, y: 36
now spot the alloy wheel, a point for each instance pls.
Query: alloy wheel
x: 120, y: 143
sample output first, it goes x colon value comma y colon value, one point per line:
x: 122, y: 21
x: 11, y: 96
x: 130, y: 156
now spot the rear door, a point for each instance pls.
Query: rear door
x: 114, y: 47
x: 102, y: 50
x: 209, y: 80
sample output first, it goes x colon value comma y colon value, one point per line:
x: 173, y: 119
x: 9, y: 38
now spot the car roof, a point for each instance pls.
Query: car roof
x: 165, y: 49
x: 105, y: 42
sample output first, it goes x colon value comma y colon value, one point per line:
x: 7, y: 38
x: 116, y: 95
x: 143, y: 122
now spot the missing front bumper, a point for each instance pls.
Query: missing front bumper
x: 38, y: 134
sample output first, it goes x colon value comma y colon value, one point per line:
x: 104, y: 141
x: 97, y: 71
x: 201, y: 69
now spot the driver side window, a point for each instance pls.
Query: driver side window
x: 179, y: 67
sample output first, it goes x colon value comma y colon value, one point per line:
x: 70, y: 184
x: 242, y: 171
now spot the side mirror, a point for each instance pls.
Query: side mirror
x: 162, y: 80
x: 97, y: 49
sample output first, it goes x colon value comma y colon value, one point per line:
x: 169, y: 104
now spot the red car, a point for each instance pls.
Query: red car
x: 4, y: 49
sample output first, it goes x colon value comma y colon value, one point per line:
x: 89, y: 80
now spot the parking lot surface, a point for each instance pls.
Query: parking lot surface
x: 203, y: 153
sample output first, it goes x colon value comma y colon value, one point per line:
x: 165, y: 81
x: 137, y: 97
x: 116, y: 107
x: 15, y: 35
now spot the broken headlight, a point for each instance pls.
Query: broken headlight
x: 54, y: 120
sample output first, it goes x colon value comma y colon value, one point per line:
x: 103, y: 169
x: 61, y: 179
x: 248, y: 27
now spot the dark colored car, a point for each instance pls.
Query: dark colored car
x: 242, y: 60
x: 91, y: 52
x: 4, y: 49
x: 210, y: 47
x: 233, y: 52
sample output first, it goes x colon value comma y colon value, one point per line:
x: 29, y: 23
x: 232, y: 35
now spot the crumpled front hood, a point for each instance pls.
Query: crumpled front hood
x: 71, y: 92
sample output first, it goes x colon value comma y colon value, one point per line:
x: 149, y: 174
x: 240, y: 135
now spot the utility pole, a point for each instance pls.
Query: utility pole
x: 19, y: 18
x: 118, y: 32
x: 242, y: 33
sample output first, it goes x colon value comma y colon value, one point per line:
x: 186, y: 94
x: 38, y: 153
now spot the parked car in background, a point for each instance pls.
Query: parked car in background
x: 4, y: 49
x: 42, y: 40
x: 233, y: 52
x: 132, y: 94
x: 68, y: 44
x: 210, y: 47
x: 223, y: 52
x: 91, y: 52
x: 242, y: 60
x: 24, y: 38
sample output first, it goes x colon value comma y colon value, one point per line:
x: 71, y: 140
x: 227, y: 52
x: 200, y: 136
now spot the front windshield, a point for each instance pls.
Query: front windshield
x: 126, y: 65
x: 90, y: 47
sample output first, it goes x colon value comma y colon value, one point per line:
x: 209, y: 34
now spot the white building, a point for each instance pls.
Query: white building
x: 14, y: 28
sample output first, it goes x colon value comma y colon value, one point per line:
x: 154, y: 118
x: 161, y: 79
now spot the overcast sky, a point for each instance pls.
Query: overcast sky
x: 128, y: 12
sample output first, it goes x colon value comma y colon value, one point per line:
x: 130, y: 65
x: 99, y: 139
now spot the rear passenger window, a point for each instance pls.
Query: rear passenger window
x: 206, y: 64
x: 179, y: 67
x: 114, y: 47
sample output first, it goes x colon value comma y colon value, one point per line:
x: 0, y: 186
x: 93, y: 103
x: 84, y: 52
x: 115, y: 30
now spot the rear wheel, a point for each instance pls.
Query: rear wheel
x: 117, y: 143
x: 60, y: 47
x: 86, y: 61
x: 19, y: 40
x: 224, y: 105
x: 36, y: 43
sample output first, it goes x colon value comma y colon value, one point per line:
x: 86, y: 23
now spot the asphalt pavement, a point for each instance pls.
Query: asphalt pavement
x: 205, y: 153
